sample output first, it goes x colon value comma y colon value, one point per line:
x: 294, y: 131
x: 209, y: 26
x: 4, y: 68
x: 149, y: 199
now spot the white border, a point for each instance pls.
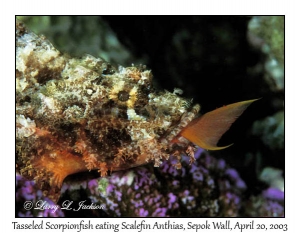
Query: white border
x: 11, y: 8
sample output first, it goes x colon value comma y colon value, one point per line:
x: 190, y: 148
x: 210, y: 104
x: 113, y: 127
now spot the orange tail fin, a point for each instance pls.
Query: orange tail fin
x: 206, y: 130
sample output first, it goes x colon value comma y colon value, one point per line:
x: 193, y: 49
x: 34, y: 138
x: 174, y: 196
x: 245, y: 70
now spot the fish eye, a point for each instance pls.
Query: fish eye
x: 123, y: 96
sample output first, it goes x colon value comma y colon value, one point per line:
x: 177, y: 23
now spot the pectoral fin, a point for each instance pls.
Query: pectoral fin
x: 207, y: 130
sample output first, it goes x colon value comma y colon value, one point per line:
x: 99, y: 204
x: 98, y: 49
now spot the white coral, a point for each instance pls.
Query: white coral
x: 25, y: 127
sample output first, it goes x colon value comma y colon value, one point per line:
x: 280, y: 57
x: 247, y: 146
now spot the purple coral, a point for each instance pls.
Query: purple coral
x: 166, y: 191
x: 273, y: 194
x: 30, y: 201
x: 234, y: 176
x: 207, y: 187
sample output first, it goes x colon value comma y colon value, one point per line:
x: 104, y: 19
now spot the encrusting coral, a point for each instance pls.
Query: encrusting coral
x: 208, y: 187
x: 27, y: 193
x: 79, y: 114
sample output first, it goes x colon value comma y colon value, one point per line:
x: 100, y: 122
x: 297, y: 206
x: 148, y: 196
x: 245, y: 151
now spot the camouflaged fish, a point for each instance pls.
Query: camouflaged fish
x: 82, y: 114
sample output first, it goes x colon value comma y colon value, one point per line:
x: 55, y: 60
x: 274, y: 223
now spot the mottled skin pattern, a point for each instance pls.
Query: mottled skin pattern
x: 79, y: 114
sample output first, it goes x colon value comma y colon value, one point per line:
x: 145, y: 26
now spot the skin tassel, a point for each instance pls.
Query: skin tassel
x: 206, y: 130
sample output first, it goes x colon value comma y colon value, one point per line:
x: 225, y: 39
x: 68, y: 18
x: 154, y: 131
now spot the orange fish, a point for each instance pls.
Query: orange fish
x: 206, y: 130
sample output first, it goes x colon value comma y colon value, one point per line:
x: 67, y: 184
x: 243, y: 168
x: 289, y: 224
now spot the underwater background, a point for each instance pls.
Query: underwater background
x: 216, y: 60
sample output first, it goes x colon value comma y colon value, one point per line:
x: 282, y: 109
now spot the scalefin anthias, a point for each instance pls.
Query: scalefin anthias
x: 206, y: 130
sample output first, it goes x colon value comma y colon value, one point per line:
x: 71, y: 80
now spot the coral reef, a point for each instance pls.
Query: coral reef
x: 78, y: 114
x: 207, y: 188
x: 271, y: 130
x: 266, y: 34
x: 269, y: 204
x: 28, y: 194
x: 272, y: 177
x: 40, y: 98
x: 66, y: 34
